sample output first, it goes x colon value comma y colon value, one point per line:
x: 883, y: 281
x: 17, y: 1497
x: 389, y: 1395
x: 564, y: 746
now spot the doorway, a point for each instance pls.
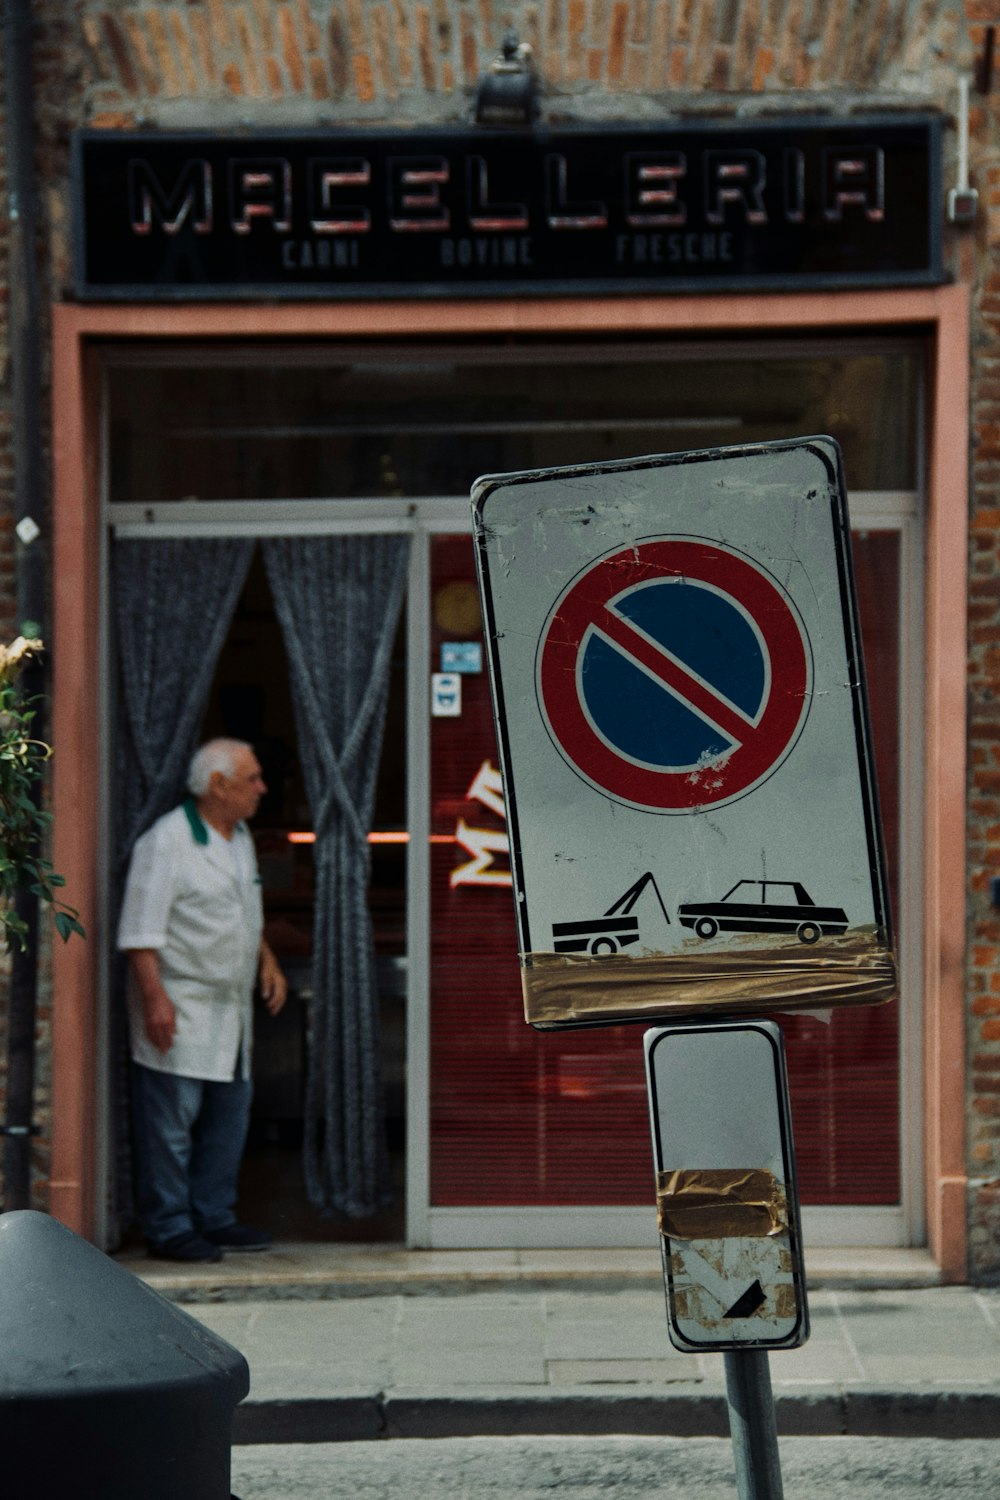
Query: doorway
x: 251, y: 700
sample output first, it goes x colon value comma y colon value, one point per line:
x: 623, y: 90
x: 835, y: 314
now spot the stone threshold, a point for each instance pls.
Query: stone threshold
x: 317, y: 1270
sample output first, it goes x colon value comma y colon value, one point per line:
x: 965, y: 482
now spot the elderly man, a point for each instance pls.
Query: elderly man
x: 191, y: 925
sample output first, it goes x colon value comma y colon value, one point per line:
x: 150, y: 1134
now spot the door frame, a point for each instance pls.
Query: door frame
x: 942, y: 312
x: 524, y: 1227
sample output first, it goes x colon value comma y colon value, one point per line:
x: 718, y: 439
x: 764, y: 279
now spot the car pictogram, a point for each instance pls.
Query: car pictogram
x: 764, y: 906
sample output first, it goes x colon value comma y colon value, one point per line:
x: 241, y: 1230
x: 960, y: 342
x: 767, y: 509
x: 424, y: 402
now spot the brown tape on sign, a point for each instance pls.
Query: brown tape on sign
x: 704, y: 1204
x: 573, y: 989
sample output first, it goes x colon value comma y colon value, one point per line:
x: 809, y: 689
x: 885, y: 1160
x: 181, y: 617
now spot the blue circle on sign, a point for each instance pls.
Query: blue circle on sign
x: 702, y: 628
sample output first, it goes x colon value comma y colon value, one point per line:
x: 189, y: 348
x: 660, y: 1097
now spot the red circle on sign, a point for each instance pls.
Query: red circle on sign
x: 759, y: 743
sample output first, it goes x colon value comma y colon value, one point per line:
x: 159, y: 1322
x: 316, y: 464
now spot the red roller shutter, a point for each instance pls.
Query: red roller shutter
x: 523, y: 1118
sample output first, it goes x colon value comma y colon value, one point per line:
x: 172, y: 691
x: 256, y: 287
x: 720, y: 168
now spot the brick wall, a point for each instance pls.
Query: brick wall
x: 984, y: 691
x: 206, y: 63
x: 403, y: 60
x: 58, y: 77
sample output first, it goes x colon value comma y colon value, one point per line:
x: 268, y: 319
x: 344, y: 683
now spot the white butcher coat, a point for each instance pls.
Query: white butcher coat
x: 195, y: 898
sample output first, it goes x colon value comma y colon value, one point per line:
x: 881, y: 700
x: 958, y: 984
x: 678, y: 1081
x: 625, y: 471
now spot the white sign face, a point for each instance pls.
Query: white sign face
x: 683, y: 732
x: 446, y: 695
x: 726, y: 1190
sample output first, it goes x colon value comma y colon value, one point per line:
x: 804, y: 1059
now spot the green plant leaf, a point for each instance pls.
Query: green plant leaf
x: 66, y: 925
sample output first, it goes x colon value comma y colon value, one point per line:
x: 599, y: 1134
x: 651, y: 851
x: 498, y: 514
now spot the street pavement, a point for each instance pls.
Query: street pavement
x: 429, y: 1346
x: 630, y: 1468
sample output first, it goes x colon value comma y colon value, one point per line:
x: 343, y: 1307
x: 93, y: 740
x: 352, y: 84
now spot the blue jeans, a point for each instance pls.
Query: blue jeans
x: 190, y: 1135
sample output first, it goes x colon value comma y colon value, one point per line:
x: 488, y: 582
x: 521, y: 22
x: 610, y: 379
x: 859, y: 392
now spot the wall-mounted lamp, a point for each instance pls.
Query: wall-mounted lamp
x: 507, y: 94
x: 963, y: 200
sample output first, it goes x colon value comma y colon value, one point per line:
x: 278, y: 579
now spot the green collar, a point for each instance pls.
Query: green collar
x: 198, y: 829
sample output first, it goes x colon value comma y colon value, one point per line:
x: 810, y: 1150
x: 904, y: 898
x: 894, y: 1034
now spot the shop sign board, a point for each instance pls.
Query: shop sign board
x: 683, y: 730
x: 727, y: 1198
x: 779, y: 204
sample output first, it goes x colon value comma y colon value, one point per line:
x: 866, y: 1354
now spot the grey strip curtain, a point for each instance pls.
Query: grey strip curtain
x: 173, y: 603
x: 338, y: 601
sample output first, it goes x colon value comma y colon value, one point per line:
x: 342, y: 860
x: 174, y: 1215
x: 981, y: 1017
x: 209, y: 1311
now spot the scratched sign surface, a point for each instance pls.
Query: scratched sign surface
x: 681, y: 716
x: 726, y: 1189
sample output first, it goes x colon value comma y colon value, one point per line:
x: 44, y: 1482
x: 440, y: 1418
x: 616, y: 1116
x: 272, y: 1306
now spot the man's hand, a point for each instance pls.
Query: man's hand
x: 160, y: 1019
x: 158, y: 1013
x: 273, y: 984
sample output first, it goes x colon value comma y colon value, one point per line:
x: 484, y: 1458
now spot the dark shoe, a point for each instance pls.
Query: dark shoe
x: 238, y: 1237
x: 190, y: 1247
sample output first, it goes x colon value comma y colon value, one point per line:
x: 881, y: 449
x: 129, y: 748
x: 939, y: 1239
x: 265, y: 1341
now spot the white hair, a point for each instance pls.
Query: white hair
x: 214, y: 755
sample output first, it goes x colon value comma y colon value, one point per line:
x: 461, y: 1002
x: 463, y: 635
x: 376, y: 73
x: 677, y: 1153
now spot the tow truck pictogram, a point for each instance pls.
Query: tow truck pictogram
x: 602, y: 936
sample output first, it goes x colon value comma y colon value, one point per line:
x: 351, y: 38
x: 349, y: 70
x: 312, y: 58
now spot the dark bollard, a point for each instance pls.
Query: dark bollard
x: 107, y: 1391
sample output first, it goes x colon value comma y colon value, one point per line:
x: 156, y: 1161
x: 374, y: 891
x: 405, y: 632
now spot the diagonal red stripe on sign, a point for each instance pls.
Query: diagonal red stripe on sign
x: 697, y: 695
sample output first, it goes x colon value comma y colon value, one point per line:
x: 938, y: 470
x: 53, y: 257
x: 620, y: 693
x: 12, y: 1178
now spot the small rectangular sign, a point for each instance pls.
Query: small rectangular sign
x: 446, y: 695
x: 694, y: 205
x: 727, y: 1198
x: 679, y: 693
x: 462, y: 656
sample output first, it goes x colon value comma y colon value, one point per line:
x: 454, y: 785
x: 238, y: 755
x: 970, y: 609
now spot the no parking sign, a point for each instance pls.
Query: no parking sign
x: 681, y: 715
x: 699, y: 661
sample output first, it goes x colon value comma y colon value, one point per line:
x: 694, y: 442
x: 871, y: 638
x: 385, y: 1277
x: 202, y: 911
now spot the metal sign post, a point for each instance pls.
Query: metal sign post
x: 752, y: 1425
x: 729, y: 1219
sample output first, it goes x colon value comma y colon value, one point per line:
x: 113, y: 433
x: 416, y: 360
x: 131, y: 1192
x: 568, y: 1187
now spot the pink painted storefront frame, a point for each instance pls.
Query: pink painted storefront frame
x: 942, y: 313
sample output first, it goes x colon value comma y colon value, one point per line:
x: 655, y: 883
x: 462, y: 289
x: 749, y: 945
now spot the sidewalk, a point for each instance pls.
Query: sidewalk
x: 370, y: 1342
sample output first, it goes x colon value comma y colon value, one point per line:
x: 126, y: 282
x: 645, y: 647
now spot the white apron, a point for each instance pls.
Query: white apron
x: 195, y: 898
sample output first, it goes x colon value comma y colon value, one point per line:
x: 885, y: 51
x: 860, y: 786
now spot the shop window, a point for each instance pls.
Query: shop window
x: 428, y: 422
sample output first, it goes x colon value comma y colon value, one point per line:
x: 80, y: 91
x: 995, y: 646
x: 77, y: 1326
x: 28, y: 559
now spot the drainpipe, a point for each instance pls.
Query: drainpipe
x: 26, y: 445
